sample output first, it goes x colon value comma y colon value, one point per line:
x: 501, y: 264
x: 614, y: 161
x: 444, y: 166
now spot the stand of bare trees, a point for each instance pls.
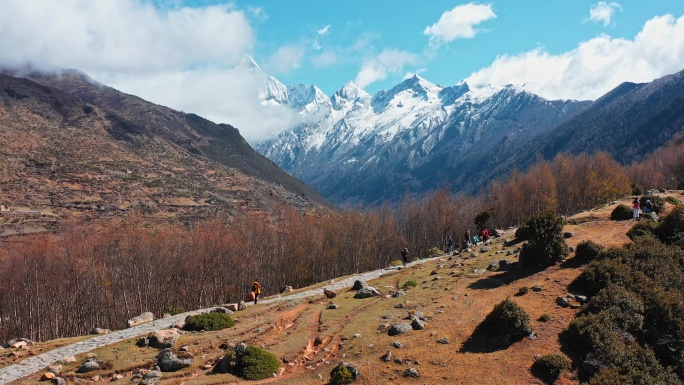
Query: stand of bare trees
x: 65, y: 284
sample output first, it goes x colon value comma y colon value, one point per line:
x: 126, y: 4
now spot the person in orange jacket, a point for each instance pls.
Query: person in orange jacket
x: 256, y: 290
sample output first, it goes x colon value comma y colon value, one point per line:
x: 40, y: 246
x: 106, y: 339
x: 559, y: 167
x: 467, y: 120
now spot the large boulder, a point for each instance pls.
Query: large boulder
x: 399, y: 328
x: 358, y: 285
x: 242, y: 305
x: 141, y: 319
x: 418, y: 324
x: 367, y: 292
x: 90, y: 364
x: 163, y: 339
x: 329, y: 293
x: 151, y: 377
x: 168, y: 361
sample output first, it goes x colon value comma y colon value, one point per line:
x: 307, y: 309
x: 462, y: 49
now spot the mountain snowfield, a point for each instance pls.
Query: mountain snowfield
x: 355, y: 148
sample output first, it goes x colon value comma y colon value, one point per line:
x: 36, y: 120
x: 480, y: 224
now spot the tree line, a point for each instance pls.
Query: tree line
x: 87, y: 276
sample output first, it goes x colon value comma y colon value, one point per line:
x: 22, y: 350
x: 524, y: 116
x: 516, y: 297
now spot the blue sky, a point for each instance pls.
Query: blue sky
x: 182, y: 53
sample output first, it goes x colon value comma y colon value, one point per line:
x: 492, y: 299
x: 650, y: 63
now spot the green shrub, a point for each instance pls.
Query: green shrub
x: 509, y: 319
x: 673, y: 200
x: 544, y: 317
x: 396, y: 262
x: 341, y: 375
x: 522, y: 232
x: 208, y: 321
x: 644, y: 228
x: 624, y: 308
x: 549, y: 368
x: 598, y: 275
x: 621, y: 213
x: 433, y: 251
x: 485, y: 219
x: 588, y: 250
x: 545, y: 245
x: 409, y: 284
x: 256, y: 364
x: 671, y: 231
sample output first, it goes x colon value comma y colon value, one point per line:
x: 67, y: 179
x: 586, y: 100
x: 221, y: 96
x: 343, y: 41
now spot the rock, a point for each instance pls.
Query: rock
x: 383, y: 326
x: 151, y: 377
x: 19, y: 345
x: 163, y: 339
x: 179, y: 324
x: 166, y: 315
x: 504, y: 264
x: 231, y: 306
x: 287, y: 289
x: 95, y: 378
x: 443, y: 341
x: 484, y: 249
x: 418, y: 324
x: 358, y: 285
x: 416, y: 314
x: 397, y: 344
x: 399, y: 306
x: 142, y: 342
x: 571, y: 249
x: 116, y: 377
x: 434, y: 272
x: 170, y: 362
x: 54, y: 368
x: 387, y: 357
x: 333, y: 306
x: 367, y: 292
x: 479, y: 271
x: 242, y: 305
x: 357, y: 335
x: 100, y: 331
x: 47, y: 376
x: 141, y: 319
x: 532, y: 336
x: 575, y: 305
x: 329, y: 293
x: 537, y: 288
x: 398, y: 293
x: 400, y: 328
x: 27, y: 342
x: 562, y: 301
x: 398, y: 360
x: 568, y: 234
x: 412, y: 372
x: 67, y: 360
x: 89, y: 365
x: 494, y: 266
x: 221, y: 310
x: 59, y: 381
x: 581, y: 299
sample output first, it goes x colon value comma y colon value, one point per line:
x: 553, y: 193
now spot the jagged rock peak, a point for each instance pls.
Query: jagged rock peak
x: 247, y: 63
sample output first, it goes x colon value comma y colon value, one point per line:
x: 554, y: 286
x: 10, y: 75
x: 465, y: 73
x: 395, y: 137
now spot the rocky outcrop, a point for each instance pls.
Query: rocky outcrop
x: 141, y: 319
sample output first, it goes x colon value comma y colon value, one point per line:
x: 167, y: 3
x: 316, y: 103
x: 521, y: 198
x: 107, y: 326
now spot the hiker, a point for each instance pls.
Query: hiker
x: 467, y: 238
x: 485, y: 234
x: 635, y: 208
x: 648, y: 207
x: 256, y: 290
x: 404, y: 255
x: 450, y: 242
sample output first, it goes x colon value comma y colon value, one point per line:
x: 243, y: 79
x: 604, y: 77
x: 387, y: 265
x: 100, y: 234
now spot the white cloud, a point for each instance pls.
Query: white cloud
x: 596, y: 66
x: 285, y: 59
x: 388, y: 62
x: 324, y: 30
x: 602, y: 12
x: 459, y: 23
x: 325, y: 59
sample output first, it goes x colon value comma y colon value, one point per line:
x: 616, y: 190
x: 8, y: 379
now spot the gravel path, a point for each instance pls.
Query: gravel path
x: 36, y: 363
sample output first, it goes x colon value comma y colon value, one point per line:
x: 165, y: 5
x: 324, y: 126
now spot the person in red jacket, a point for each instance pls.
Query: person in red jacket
x: 635, y: 208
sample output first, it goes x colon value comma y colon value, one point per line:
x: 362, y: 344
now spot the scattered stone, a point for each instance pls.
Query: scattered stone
x: 562, y: 301
x: 59, y: 381
x: 575, y: 305
x: 166, y: 315
x: 242, y: 305
x: 333, y: 306
x: 367, y: 292
x: 571, y: 249
x: 221, y: 310
x: 443, y: 341
x: 398, y: 306
x: 47, y: 376
x: 54, y: 368
x: 581, y: 299
x: 494, y: 266
x: 479, y: 271
x: 358, y: 285
x: 100, y: 331
x: 398, y: 360
x: 89, y: 365
x: 286, y: 289
x: 568, y: 234
x: 418, y: 324
x: 412, y: 372
x: 357, y: 335
x: 141, y: 319
x: 437, y: 278
x: 387, y: 357
x: 116, y: 377
x: 532, y: 336
x: 484, y: 249
x: 398, y: 293
x: 400, y: 328
x: 434, y: 272
x: 19, y: 345
x: 537, y: 288
x: 163, y: 339
x: 329, y: 293
x: 151, y: 377
x: 186, y: 348
x: 231, y: 306
x: 397, y: 344
x: 67, y: 360
x: 170, y: 362
x: 383, y: 326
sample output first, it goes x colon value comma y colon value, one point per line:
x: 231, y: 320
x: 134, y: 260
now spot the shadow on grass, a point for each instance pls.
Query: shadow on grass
x: 482, y: 341
x: 503, y: 278
x: 573, y: 263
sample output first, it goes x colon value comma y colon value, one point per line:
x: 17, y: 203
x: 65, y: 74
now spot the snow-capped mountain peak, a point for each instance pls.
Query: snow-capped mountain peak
x: 248, y: 63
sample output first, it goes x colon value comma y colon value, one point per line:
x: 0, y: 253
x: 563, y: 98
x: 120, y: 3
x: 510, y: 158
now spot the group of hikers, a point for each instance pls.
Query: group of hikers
x: 647, y: 209
x: 449, y: 243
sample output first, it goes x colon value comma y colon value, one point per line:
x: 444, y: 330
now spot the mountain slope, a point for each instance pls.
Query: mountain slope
x: 415, y: 137
x: 73, y: 147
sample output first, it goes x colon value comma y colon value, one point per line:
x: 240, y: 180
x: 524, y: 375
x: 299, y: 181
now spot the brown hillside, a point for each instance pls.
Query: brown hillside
x: 91, y: 152
x: 453, y: 297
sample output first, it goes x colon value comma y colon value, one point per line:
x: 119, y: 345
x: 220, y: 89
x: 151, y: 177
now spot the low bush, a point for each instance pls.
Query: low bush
x: 549, y: 368
x: 341, y: 375
x: 671, y: 231
x: 396, y: 262
x: 624, y: 308
x: 598, y: 275
x: 433, y: 251
x: 588, y: 250
x: 657, y: 202
x: 507, y: 318
x: 645, y: 228
x: 621, y: 213
x: 208, y: 321
x: 673, y: 201
x: 544, y: 317
x: 409, y: 284
x: 256, y: 364
x: 545, y: 245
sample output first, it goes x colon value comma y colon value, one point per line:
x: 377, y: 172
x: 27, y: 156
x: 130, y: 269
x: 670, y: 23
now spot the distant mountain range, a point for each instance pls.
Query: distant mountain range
x: 355, y: 148
x: 69, y: 144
